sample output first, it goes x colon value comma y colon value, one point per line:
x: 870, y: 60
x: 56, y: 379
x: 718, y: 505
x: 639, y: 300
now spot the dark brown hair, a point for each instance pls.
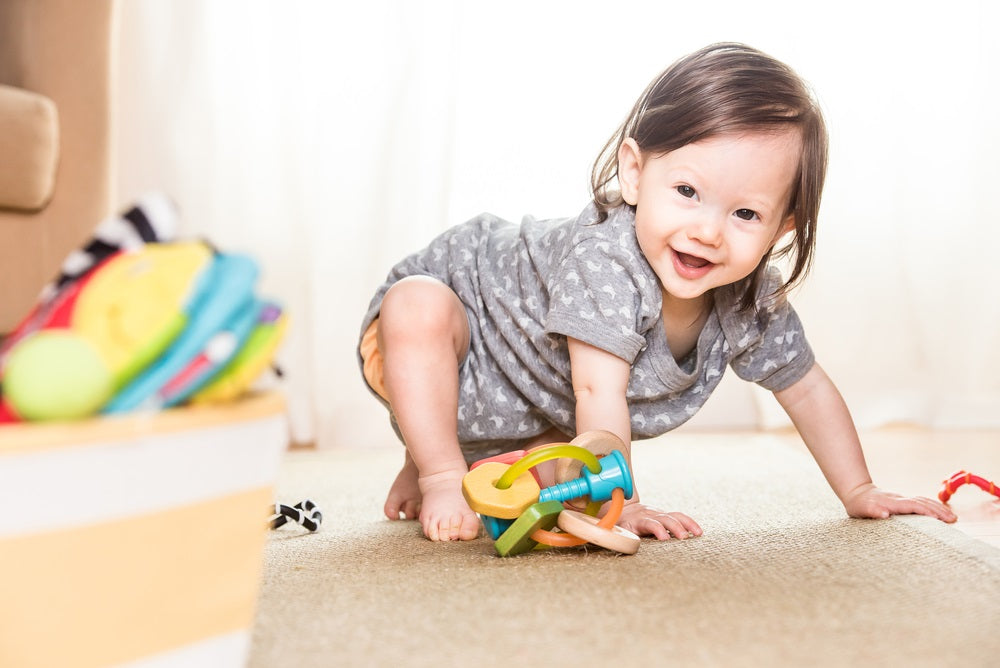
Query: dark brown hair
x: 720, y: 89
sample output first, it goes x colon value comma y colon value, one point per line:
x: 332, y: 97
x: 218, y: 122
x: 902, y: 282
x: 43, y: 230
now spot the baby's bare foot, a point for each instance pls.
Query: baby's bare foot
x: 404, y: 495
x: 444, y: 513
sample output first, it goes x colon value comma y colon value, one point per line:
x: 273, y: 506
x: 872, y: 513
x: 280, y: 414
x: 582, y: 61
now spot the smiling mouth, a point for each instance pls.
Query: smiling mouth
x: 692, y: 261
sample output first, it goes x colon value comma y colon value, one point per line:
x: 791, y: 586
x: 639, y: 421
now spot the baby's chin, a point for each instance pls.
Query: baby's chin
x: 689, y: 295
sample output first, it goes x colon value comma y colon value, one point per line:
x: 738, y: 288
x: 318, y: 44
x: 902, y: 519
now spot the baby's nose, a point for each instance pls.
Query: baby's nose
x: 707, y: 229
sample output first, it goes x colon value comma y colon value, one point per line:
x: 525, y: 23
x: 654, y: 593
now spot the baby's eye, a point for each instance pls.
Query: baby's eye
x: 686, y: 191
x: 746, y: 214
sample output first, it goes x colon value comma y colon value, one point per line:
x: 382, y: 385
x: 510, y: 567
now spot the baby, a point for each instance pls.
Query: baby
x: 623, y: 318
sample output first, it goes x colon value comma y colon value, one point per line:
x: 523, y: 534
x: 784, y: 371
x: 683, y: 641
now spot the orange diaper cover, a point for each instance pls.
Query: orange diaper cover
x: 372, y: 359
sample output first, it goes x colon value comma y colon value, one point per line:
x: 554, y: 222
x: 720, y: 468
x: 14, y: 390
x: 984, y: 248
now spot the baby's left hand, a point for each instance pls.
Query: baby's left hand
x: 643, y: 520
x: 872, y: 502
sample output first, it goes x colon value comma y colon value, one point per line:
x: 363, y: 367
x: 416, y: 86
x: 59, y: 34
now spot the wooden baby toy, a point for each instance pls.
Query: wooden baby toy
x: 518, y: 515
x: 598, y: 486
x: 486, y: 498
x: 615, y: 538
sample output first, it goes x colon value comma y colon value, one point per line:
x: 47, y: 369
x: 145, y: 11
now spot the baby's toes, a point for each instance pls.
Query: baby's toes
x: 392, y: 508
x: 436, y: 526
x: 451, y: 528
x: 469, y: 527
x: 432, y: 529
x: 411, y: 509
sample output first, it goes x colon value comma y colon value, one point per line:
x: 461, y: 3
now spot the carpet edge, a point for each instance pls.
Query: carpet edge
x: 951, y: 536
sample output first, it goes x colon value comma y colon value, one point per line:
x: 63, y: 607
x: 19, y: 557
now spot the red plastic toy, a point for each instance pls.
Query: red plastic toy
x: 963, y: 478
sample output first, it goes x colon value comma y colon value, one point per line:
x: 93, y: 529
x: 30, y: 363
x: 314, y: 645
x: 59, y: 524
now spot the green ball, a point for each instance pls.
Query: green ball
x: 56, y: 374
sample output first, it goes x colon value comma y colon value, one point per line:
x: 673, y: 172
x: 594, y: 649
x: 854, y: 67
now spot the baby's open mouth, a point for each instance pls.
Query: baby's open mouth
x: 692, y: 261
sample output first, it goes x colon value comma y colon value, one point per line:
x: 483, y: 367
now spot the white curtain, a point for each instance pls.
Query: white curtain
x: 328, y: 139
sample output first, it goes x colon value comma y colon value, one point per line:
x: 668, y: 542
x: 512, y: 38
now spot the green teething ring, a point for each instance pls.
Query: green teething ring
x: 544, y: 454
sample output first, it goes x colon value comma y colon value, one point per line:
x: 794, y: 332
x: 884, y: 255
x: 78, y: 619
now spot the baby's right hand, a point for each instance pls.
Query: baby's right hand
x: 644, y: 520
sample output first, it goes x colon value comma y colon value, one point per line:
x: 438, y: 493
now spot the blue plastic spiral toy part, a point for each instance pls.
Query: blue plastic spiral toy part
x: 614, y: 473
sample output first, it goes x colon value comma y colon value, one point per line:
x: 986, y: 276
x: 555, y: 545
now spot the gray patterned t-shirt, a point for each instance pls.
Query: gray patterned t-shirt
x: 527, y: 287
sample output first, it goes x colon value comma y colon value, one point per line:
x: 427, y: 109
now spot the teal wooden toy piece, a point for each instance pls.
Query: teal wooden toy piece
x: 484, y: 497
x: 614, y: 473
x: 517, y: 539
x: 495, y: 526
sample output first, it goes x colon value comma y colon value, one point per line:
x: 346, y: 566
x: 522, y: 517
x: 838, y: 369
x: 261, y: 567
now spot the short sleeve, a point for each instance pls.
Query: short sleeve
x: 781, y: 356
x: 596, y: 297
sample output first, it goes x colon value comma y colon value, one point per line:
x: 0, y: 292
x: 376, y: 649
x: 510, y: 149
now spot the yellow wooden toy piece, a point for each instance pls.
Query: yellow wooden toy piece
x: 482, y: 495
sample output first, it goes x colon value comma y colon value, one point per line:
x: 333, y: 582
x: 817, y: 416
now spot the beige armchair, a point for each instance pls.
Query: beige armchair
x: 55, y: 148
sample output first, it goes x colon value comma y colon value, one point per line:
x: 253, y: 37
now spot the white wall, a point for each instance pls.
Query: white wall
x: 331, y: 138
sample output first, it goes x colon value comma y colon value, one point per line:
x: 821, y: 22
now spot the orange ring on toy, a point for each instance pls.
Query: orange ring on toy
x: 553, y: 539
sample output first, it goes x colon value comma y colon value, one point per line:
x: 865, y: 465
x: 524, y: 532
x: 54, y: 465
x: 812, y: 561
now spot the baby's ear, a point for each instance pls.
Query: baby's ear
x: 629, y: 167
x: 787, y: 225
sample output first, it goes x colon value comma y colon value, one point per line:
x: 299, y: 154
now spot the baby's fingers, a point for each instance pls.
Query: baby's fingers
x: 920, y: 505
x: 664, y: 525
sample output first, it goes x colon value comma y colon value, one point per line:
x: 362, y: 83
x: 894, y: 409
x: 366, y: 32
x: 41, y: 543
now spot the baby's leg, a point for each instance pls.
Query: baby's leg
x: 423, y: 334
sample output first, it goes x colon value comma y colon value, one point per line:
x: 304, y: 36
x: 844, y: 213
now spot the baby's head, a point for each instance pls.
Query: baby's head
x: 728, y: 89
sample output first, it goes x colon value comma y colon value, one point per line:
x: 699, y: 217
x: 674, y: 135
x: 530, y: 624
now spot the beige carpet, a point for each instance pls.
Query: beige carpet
x: 780, y: 578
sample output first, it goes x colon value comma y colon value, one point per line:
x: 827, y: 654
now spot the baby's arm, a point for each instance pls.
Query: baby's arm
x: 599, y: 383
x: 825, y: 425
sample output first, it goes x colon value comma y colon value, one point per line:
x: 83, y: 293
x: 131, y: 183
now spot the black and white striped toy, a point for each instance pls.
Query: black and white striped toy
x: 304, y: 513
x: 153, y: 218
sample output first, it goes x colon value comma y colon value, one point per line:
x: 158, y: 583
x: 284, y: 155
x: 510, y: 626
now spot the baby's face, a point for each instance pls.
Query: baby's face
x: 707, y: 212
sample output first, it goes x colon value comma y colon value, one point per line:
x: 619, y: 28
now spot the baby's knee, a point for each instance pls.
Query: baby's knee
x: 420, y: 305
